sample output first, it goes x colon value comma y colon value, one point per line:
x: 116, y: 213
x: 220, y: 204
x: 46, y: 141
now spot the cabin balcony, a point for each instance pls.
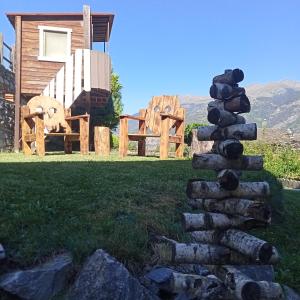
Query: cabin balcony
x: 85, y: 78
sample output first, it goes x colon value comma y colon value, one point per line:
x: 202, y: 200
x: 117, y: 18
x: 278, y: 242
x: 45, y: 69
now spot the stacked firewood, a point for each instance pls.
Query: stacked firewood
x: 230, y: 206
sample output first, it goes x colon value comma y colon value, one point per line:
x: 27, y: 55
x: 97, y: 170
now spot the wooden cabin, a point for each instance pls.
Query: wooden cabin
x: 54, y: 57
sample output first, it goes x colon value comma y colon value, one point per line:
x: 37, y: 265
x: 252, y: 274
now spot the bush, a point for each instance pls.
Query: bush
x: 114, y: 141
x: 282, y: 161
x: 188, y: 131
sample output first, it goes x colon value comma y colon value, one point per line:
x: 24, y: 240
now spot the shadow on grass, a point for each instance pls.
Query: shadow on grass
x: 49, y: 207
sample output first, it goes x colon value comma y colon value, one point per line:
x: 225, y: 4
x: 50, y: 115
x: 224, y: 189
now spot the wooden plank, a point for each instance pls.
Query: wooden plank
x: 164, y: 139
x: 25, y: 131
x: 87, y: 70
x: 102, y: 141
x: 78, y: 73
x: 123, y: 141
x: 18, y: 30
x: 40, y: 138
x: 28, y: 138
x: 51, y: 88
x: 69, y: 82
x: 60, y: 83
x: 139, y: 118
x: 87, y: 26
x: 179, y: 131
x: 142, y: 130
x: 63, y: 134
x: 84, y: 135
x: 86, y: 116
x: 67, y: 138
x: 46, y: 91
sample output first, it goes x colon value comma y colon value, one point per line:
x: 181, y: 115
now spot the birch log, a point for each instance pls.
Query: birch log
x: 249, y: 245
x: 237, y: 282
x: 200, y: 254
x: 229, y: 179
x: 224, y: 91
x: 236, y: 131
x: 230, y: 77
x: 197, y: 253
x: 223, y: 118
x: 179, y: 282
x: 231, y: 148
x: 204, y: 221
x: 210, y: 161
x: 235, y: 206
x: 211, y: 189
x: 240, y: 104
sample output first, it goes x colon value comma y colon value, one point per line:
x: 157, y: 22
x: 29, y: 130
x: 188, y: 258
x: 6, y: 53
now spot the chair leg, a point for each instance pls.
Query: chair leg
x: 164, y: 138
x: 68, y: 145
x: 179, y: 150
x: 142, y: 147
x: 67, y: 139
x: 40, y: 137
x: 84, y: 135
x: 123, y: 140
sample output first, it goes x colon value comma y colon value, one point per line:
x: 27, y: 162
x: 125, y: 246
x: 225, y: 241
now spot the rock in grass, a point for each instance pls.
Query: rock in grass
x: 41, y: 282
x: 103, y: 277
x: 2, y: 252
x: 290, y: 294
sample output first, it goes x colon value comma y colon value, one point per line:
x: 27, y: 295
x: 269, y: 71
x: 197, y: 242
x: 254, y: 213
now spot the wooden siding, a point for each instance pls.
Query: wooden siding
x: 35, y: 74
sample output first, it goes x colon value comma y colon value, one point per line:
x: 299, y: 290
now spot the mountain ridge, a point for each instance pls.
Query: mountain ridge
x: 274, y: 104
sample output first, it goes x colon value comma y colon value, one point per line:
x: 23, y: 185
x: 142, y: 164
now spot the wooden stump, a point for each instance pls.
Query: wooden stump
x: 102, y: 141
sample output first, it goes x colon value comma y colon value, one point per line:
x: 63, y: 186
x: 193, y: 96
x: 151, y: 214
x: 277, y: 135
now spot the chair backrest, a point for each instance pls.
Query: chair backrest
x: 161, y: 104
x: 54, y: 112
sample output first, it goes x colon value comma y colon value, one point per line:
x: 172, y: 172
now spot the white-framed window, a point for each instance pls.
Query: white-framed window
x: 54, y: 43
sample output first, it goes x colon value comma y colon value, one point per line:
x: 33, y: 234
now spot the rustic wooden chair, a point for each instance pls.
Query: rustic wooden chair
x: 44, y: 117
x: 162, y: 114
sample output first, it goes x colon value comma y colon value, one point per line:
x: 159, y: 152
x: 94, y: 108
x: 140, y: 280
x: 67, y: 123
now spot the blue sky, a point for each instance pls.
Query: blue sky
x: 176, y: 47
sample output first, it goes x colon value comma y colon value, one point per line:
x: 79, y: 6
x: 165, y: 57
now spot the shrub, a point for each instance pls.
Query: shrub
x: 114, y: 141
x: 188, y: 131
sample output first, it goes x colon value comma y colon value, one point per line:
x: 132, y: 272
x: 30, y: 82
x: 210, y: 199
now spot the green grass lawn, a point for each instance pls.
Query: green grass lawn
x: 81, y: 203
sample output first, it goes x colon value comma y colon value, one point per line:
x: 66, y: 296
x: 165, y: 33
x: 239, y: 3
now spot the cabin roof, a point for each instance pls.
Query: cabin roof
x: 100, y: 21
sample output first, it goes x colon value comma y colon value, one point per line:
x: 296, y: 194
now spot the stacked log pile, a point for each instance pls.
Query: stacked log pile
x: 229, y: 206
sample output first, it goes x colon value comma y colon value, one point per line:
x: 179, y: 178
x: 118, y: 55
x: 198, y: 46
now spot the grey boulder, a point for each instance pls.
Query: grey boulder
x: 41, y: 282
x: 103, y: 277
x: 2, y: 252
x: 289, y: 293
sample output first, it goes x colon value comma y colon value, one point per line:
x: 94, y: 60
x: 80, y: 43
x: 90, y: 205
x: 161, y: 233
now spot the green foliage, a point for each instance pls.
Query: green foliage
x: 282, y: 161
x: 109, y: 114
x: 114, y: 141
x: 188, y: 131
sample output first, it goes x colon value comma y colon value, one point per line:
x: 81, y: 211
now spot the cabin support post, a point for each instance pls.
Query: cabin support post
x: 18, y: 28
x: 87, y: 26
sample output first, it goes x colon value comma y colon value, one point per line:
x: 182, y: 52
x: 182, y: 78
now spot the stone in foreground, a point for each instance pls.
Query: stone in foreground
x: 103, y: 277
x: 2, y: 252
x: 41, y: 282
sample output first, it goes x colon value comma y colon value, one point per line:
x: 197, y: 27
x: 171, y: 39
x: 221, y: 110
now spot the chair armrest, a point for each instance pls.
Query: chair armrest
x: 132, y: 117
x: 77, y: 117
x: 171, y: 117
x: 30, y: 116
